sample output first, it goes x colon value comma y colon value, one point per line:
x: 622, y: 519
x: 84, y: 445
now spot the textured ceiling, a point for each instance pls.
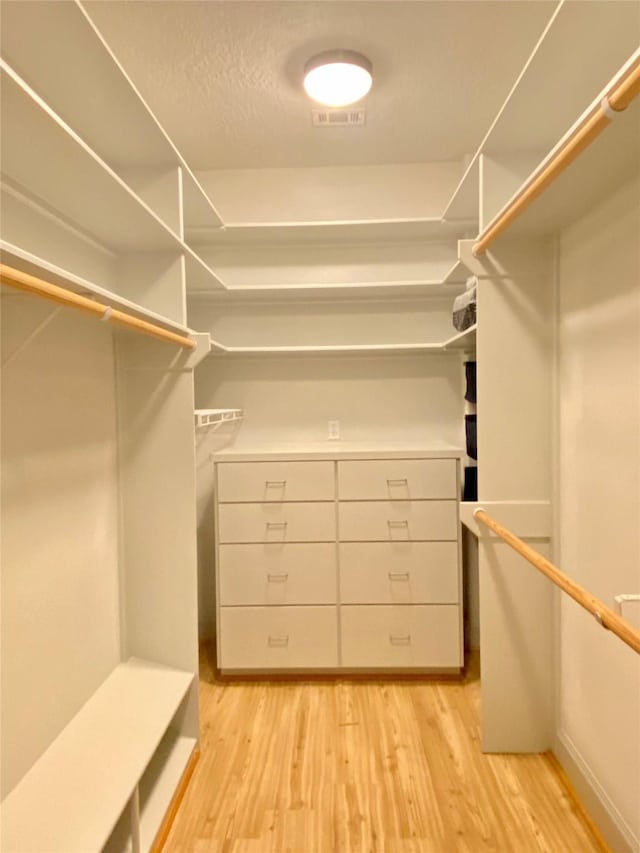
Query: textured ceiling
x: 224, y: 76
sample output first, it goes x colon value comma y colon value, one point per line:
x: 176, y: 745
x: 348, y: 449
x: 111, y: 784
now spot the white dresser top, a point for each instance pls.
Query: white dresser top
x: 337, y: 450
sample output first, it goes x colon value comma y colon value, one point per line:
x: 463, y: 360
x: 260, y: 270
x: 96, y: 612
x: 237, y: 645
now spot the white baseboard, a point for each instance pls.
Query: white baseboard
x: 613, y: 827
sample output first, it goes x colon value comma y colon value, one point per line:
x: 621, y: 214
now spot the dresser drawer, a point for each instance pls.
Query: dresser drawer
x: 397, y: 479
x: 277, y: 573
x: 278, y: 637
x: 398, y: 521
x: 256, y: 482
x: 268, y: 522
x: 399, y: 573
x: 401, y: 636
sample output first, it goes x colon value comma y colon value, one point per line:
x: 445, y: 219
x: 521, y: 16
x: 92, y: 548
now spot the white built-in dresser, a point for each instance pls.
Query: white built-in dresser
x: 338, y: 558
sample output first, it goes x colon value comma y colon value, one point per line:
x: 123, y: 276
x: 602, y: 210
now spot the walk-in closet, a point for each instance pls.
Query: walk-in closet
x: 320, y: 426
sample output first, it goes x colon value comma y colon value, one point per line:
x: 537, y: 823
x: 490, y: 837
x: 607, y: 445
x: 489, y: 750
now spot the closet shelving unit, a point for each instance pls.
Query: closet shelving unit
x: 514, y: 144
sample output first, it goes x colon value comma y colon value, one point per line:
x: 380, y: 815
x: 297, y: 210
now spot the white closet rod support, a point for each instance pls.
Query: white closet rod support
x: 30, y: 284
x: 620, y: 94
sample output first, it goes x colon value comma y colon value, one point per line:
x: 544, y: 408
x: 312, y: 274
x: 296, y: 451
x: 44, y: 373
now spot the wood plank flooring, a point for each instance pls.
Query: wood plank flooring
x: 391, y: 766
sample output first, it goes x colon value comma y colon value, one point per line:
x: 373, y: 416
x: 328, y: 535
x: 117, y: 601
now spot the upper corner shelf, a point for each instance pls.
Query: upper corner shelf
x: 216, y: 417
x: 31, y: 44
x: 334, y: 231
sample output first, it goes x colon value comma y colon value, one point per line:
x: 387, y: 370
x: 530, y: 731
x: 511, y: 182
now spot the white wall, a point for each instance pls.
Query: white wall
x: 599, y: 493
x: 60, y: 589
x: 289, y: 401
x: 333, y: 192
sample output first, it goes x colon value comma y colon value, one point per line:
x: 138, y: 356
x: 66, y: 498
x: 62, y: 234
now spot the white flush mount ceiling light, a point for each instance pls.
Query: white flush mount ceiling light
x: 337, y: 77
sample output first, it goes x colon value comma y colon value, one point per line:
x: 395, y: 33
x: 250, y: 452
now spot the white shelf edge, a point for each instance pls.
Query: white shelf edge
x: 216, y: 417
x: 57, y: 275
x: 463, y: 340
x: 347, y: 349
x: 120, y: 726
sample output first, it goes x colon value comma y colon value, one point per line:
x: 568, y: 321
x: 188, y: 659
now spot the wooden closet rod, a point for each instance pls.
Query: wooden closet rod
x: 608, y: 618
x: 620, y: 94
x: 31, y: 284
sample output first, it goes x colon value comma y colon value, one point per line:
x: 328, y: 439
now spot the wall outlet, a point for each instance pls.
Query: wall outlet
x: 333, y: 433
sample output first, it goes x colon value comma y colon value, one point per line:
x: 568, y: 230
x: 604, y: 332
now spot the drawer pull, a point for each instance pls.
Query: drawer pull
x: 398, y: 523
x: 275, y: 484
x: 278, y: 642
x: 276, y: 525
x: 400, y: 639
x: 398, y: 576
x: 399, y: 481
x: 277, y: 578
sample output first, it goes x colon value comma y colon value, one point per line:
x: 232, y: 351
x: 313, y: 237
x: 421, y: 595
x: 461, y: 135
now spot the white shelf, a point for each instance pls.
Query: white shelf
x: 337, y: 349
x: 607, y: 163
x: 32, y: 264
x: 159, y: 783
x: 216, y: 417
x: 91, y: 769
x: 463, y: 340
x: 32, y: 42
x: 41, y: 152
x: 347, y: 231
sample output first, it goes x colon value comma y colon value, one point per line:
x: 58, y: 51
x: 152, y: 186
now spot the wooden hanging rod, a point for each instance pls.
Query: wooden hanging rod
x: 620, y: 94
x: 29, y: 283
x: 608, y: 618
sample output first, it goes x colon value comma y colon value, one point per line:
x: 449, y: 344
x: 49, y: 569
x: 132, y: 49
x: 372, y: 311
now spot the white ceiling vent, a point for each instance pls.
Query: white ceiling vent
x: 338, y: 118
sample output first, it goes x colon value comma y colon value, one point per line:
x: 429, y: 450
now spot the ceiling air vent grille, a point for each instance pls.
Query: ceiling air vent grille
x: 337, y: 118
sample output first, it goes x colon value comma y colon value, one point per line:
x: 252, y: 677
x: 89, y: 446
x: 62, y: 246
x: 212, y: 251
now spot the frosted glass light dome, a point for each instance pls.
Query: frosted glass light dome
x: 338, y: 77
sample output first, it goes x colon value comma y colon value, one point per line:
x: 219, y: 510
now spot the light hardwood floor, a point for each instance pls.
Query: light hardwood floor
x: 393, y: 766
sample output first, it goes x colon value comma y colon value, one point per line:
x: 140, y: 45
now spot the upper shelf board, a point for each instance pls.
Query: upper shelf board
x: 69, y: 80
x: 347, y: 231
x: 609, y: 162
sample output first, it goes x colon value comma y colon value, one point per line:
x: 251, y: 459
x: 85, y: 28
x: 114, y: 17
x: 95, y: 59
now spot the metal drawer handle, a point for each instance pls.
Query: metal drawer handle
x: 276, y: 525
x: 278, y: 642
x: 400, y: 639
x: 399, y: 576
x: 275, y: 484
x: 399, y: 481
x: 277, y: 578
x: 397, y: 523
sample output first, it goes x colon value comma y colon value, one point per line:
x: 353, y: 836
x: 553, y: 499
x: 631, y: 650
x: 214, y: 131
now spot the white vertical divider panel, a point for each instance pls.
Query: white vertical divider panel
x: 514, y: 350
x: 158, y: 501
x: 59, y: 581
x: 155, y: 280
x: 161, y: 189
x: 500, y: 178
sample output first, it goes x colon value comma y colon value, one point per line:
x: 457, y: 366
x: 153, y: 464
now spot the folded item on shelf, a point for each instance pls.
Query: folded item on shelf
x: 470, y: 491
x: 470, y: 371
x: 464, y: 309
x: 471, y: 432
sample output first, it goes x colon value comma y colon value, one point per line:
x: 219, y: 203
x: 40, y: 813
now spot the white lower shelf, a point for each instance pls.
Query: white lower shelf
x: 71, y: 799
x: 463, y: 340
x: 159, y: 783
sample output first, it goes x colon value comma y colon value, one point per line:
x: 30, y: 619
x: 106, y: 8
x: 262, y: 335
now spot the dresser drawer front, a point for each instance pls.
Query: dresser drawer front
x: 399, y: 573
x: 278, y: 637
x: 398, y: 479
x: 257, y: 482
x: 425, y: 636
x: 303, y: 522
x: 398, y: 521
x: 277, y: 574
